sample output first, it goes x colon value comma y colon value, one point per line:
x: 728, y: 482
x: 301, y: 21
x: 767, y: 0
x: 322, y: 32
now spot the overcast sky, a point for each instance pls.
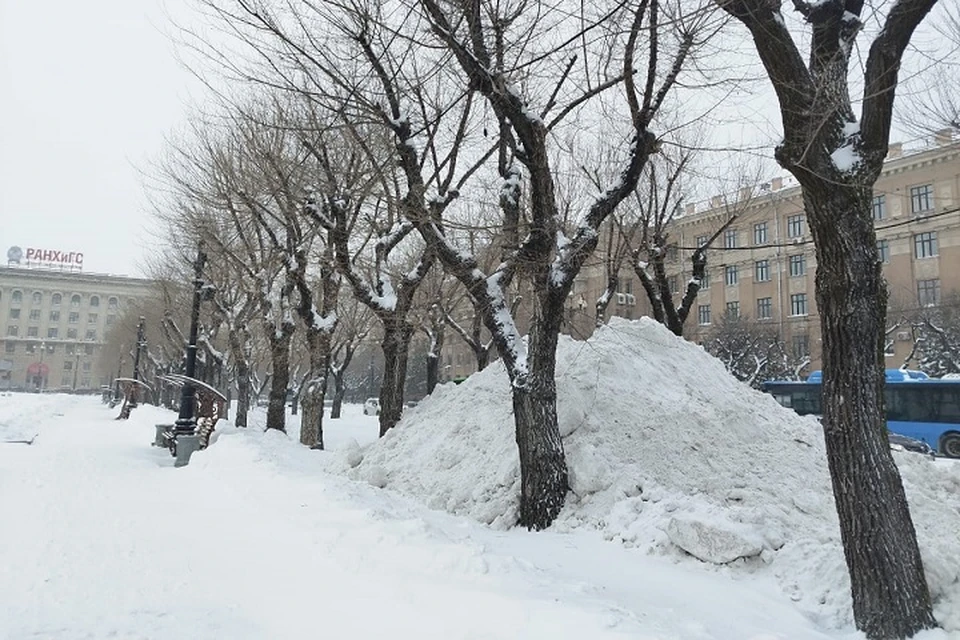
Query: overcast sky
x: 89, y: 89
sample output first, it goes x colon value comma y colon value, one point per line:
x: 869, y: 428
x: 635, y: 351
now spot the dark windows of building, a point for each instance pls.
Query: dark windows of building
x: 733, y: 309
x: 55, y: 299
x: 798, y: 304
x: 91, y: 318
x: 798, y: 265
x: 53, y: 332
x: 10, y: 346
x: 13, y: 330
x: 94, y: 301
x: 37, y: 298
x: 795, y: 226
x: 54, y: 316
x: 883, y: 249
x: 88, y: 349
x: 879, y: 207
x: 71, y: 334
x: 91, y: 335
x: 921, y: 198
x: 14, y: 314
x: 761, y: 270
x: 928, y: 292
x: 75, y: 301
x: 801, y: 345
x: 925, y: 244
x: 112, y: 303
x: 730, y: 240
x: 764, y: 308
x: 33, y: 332
x: 703, y: 314
x: 760, y: 233
x: 74, y: 317
x: 67, y: 365
x: 16, y: 297
x: 730, y: 275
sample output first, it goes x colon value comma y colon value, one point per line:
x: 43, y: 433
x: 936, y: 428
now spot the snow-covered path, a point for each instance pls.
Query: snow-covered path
x: 102, y: 538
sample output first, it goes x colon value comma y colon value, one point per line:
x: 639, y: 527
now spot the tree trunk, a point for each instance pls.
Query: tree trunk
x: 279, y: 381
x: 433, y: 371
x: 395, y: 345
x: 314, y: 389
x: 890, y: 595
x: 339, y: 390
x: 243, y: 392
x: 543, y: 466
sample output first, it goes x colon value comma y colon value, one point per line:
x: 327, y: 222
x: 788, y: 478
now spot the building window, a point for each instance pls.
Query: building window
x: 16, y: 297
x: 798, y: 304
x: 91, y: 335
x: 75, y: 301
x: 801, y: 346
x: 883, y: 250
x: 764, y: 308
x: 730, y: 239
x: 86, y: 366
x: 798, y: 265
x: 72, y: 334
x: 13, y: 330
x: 760, y: 233
x: 879, y: 207
x: 54, y: 316
x: 94, y: 301
x: 37, y: 298
x: 730, y: 275
x: 795, y: 226
x: 703, y: 314
x: 701, y: 241
x: 761, y: 270
x: 10, y: 347
x: 85, y: 383
x: 33, y: 332
x: 70, y: 349
x: 52, y: 332
x: 111, y: 319
x: 925, y: 244
x: 928, y: 292
x: 74, y: 317
x: 92, y: 318
x: 14, y: 314
x: 112, y: 303
x: 88, y: 349
x: 67, y: 365
x: 51, y: 348
x: 733, y: 309
x: 55, y: 300
x: 921, y: 198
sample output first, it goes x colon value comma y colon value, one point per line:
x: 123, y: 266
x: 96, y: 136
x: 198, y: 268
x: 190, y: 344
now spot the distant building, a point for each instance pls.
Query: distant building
x: 54, y: 319
x: 763, y: 265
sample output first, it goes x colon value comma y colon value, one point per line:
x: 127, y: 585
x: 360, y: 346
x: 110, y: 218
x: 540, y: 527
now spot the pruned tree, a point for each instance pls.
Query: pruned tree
x: 355, y: 324
x: 837, y: 157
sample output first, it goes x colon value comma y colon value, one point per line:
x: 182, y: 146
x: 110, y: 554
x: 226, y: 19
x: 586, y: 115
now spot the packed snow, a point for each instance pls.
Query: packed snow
x: 699, y: 510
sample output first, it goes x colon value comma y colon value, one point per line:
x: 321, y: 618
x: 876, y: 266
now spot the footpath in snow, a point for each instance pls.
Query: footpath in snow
x: 103, y: 538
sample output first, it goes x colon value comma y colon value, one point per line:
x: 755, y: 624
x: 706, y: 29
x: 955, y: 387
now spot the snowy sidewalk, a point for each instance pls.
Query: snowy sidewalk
x: 102, y: 538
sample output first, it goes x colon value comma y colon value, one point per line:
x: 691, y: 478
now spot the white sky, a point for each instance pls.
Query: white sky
x: 89, y: 90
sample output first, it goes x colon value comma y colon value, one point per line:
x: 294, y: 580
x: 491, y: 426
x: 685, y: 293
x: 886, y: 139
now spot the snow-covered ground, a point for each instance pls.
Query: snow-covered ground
x: 101, y: 537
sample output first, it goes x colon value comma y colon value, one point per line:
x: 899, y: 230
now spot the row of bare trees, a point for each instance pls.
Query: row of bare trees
x: 374, y: 141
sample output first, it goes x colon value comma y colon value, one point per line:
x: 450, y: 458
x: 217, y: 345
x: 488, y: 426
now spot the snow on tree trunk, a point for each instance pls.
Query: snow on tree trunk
x: 890, y: 592
x: 395, y: 345
x: 543, y: 466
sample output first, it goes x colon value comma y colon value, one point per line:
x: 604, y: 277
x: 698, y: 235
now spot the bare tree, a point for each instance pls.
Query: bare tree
x: 353, y: 328
x: 753, y: 352
x: 837, y: 159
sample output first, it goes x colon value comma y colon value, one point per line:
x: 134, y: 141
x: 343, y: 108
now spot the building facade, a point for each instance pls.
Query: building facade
x: 762, y: 266
x: 54, y: 325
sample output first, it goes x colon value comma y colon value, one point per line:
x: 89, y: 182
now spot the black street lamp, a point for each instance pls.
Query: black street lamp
x: 141, y: 343
x: 185, y: 428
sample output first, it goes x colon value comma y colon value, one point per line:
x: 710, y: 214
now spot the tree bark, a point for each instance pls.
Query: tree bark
x: 543, y: 466
x: 397, y: 333
x: 279, y: 381
x: 315, y: 389
x: 890, y: 595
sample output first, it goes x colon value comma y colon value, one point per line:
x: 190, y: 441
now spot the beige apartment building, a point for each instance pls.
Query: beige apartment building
x: 54, y: 323
x: 763, y: 265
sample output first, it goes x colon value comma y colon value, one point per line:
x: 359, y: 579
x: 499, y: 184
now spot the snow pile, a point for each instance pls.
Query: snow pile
x: 666, y: 451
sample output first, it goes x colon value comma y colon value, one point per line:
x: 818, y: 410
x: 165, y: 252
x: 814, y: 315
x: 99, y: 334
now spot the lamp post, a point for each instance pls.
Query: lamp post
x: 141, y: 342
x: 185, y: 428
x: 76, y: 370
x: 116, y: 381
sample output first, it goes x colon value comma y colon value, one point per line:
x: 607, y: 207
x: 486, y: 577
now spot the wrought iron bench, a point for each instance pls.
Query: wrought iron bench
x: 132, y: 391
x: 209, y: 405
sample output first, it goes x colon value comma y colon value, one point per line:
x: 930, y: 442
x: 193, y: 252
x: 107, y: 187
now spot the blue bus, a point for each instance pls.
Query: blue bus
x: 918, y: 407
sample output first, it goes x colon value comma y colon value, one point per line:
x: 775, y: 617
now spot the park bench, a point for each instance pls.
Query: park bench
x: 131, y: 391
x: 209, y: 406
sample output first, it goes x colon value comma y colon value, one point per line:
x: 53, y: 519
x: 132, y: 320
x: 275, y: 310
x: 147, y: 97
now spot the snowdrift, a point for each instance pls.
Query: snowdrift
x: 670, y: 454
